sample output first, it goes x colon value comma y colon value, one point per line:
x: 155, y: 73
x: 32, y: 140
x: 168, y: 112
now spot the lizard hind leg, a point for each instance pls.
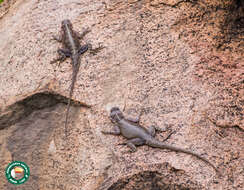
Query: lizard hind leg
x: 152, y: 131
x: 63, y: 54
x: 83, y: 49
x: 132, y: 143
x: 131, y: 146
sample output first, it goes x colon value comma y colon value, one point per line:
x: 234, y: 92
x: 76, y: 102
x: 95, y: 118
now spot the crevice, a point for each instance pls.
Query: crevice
x: 152, y: 180
x: 233, y: 25
x: 24, y: 107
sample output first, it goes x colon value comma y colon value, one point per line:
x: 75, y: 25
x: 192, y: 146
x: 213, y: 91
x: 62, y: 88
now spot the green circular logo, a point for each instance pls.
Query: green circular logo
x: 17, y: 172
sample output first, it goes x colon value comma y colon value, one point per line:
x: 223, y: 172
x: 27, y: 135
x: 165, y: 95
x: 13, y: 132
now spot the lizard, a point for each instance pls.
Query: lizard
x: 72, y: 49
x: 138, y: 135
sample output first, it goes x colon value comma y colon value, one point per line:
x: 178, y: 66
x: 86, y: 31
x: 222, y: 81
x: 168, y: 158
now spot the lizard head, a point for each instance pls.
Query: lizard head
x: 66, y: 23
x: 116, y: 115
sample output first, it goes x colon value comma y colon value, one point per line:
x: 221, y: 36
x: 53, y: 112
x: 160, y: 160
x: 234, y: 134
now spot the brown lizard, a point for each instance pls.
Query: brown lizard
x: 138, y: 135
x: 72, y: 49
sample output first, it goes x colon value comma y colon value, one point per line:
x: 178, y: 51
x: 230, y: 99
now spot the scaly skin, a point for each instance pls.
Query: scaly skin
x: 72, y: 49
x: 138, y: 135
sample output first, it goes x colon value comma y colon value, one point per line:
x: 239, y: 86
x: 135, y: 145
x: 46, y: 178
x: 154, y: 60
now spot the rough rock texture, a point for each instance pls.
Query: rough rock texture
x: 5, y: 6
x: 181, y: 61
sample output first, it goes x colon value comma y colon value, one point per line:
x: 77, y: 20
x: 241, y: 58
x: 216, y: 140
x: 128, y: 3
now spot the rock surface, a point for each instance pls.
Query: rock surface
x: 180, y: 61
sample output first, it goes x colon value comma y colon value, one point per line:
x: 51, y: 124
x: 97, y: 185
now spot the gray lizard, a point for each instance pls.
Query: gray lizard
x: 138, y: 135
x: 71, y: 48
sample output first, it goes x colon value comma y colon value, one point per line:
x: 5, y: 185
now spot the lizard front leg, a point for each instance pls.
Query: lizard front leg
x: 58, y: 38
x: 136, y: 119
x: 115, y: 132
x: 81, y: 35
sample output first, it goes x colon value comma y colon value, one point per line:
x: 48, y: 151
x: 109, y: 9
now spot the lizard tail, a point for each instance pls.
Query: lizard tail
x: 69, y: 101
x: 66, y: 118
x: 157, y: 144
